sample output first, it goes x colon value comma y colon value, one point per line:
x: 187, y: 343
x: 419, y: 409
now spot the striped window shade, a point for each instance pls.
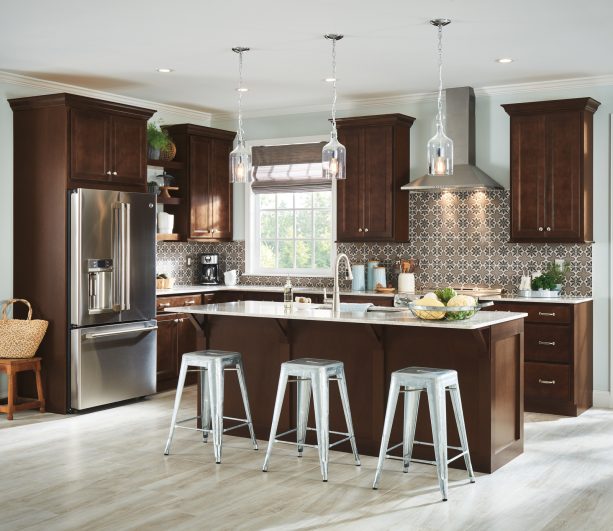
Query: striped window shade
x: 288, y: 168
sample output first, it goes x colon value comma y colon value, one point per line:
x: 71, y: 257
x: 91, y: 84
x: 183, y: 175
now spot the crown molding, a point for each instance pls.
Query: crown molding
x: 54, y: 86
x: 545, y: 86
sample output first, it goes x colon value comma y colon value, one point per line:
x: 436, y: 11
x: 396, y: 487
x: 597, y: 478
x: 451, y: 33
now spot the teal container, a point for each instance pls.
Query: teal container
x: 359, y: 281
x: 370, y: 265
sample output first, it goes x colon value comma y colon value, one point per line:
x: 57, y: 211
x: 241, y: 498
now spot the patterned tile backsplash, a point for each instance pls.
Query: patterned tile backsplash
x: 458, y: 238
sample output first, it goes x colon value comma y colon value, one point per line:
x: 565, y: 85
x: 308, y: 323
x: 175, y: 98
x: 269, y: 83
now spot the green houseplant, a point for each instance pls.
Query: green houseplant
x: 157, y: 140
x: 552, y: 278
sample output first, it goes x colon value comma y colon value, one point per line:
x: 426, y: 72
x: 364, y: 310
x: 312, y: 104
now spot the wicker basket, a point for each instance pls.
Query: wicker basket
x: 169, y: 152
x: 20, y: 338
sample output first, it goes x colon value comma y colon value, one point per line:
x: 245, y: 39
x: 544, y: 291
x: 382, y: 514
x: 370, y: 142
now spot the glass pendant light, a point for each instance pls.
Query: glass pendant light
x: 333, y: 154
x: 240, y: 157
x: 440, y: 146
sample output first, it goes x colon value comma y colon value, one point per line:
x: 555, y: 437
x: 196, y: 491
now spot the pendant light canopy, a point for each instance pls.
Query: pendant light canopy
x: 333, y: 155
x: 440, y: 146
x: 240, y: 157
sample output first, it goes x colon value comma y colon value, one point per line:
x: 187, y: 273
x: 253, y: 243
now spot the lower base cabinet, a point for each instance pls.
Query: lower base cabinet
x: 558, y: 356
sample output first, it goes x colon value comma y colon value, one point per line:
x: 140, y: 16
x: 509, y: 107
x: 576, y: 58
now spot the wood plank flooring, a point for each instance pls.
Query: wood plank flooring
x: 106, y: 470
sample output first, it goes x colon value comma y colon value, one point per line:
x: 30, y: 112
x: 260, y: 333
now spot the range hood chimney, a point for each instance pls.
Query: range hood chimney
x: 460, y: 128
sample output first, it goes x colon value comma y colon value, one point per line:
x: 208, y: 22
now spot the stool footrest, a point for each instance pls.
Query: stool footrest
x: 294, y: 430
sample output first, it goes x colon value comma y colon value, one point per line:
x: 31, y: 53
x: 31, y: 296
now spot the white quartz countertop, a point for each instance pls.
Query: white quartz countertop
x: 197, y: 288
x: 545, y: 300
x: 276, y: 310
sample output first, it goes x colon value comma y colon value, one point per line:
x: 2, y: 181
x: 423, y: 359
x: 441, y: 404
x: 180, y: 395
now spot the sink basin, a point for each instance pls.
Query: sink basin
x: 355, y: 307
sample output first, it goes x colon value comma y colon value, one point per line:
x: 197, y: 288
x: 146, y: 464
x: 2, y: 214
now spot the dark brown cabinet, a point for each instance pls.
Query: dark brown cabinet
x: 551, y: 170
x: 558, y: 342
x: 207, y: 213
x: 370, y: 204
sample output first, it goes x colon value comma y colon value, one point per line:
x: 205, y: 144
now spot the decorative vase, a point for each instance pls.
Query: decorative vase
x: 152, y: 153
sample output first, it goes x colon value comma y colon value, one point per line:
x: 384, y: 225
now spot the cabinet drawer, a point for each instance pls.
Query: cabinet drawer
x: 547, y: 380
x: 538, y: 313
x: 543, y: 342
x: 179, y: 300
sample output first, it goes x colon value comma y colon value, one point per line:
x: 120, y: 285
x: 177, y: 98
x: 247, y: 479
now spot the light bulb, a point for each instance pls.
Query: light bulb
x: 333, y: 167
x: 240, y: 172
x: 440, y: 166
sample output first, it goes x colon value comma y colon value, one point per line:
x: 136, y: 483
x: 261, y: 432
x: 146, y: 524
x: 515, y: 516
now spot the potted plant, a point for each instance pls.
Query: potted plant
x: 157, y: 140
x: 558, y: 274
x: 543, y: 284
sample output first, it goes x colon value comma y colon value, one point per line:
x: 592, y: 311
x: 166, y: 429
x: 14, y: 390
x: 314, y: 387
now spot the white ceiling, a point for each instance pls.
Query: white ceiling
x: 389, y: 48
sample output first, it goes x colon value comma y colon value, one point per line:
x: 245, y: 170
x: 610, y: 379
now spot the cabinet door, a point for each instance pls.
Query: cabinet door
x: 89, y: 145
x: 349, y: 218
x: 187, y: 341
x: 220, y: 190
x: 167, y: 359
x: 128, y: 142
x: 199, y: 161
x: 563, y: 185
x: 378, y: 179
x: 528, y: 166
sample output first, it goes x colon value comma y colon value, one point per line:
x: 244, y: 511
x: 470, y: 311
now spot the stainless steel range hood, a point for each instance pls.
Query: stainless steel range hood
x: 461, y: 129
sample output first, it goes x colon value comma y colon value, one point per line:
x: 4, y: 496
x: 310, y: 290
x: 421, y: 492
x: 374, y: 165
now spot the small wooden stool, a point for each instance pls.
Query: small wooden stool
x: 11, y: 367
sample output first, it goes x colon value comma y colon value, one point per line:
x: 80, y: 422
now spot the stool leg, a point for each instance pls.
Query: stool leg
x: 12, y: 394
x: 216, y: 390
x: 392, y: 400
x: 321, y: 403
x: 241, y: 381
x: 411, y: 408
x: 39, y: 388
x: 342, y: 387
x: 205, y: 404
x: 436, y: 402
x: 459, y: 419
x: 275, y: 417
x: 175, y: 410
x: 303, y: 395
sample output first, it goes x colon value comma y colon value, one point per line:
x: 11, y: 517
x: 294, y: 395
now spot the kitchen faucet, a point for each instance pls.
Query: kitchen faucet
x: 336, y: 297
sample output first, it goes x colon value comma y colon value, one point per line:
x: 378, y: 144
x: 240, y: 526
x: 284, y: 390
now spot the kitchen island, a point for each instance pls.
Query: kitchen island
x: 487, y: 352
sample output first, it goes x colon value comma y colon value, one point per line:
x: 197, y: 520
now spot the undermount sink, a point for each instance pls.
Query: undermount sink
x: 354, y: 307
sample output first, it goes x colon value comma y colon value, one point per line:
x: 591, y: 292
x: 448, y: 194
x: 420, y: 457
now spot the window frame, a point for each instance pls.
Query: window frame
x: 252, y: 240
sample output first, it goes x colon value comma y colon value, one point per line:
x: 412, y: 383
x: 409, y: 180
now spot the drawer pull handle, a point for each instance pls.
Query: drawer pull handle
x: 163, y: 305
x: 189, y: 303
x: 547, y: 314
x: 548, y: 343
x: 547, y: 382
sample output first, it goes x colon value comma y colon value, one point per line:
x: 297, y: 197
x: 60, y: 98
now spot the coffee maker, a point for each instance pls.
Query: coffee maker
x: 209, y: 269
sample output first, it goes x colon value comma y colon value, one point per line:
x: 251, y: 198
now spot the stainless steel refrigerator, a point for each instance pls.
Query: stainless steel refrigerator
x: 112, y: 296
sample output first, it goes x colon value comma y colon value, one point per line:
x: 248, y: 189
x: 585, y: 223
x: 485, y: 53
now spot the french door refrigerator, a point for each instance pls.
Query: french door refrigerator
x: 112, y: 296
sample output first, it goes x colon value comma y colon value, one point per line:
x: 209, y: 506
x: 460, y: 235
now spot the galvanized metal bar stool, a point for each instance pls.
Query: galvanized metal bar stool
x: 211, y: 364
x: 312, y: 376
x: 412, y: 381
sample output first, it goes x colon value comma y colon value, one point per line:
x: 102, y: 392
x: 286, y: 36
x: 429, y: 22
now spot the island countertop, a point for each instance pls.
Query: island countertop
x: 309, y: 312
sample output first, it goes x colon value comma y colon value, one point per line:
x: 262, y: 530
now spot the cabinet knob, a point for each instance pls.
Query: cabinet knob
x: 360, y: 229
x: 114, y: 173
x: 541, y: 229
x: 548, y: 229
x: 213, y: 231
x: 108, y: 172
x: 365, y: 230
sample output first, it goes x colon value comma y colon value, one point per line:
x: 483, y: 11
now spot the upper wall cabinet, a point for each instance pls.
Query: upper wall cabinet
x: 107, y: 142
x: 551, y: 170
x: 370, y: 204
x: 204, y: 152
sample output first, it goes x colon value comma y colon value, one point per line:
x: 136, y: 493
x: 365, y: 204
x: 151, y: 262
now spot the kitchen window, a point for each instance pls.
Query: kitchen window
x: 290, y: 214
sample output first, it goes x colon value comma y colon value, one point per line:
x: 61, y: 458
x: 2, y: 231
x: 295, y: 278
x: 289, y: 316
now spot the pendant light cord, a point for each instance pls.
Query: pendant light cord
x: 334, y: 84
x: 240, y: 97
x: 440, y: 75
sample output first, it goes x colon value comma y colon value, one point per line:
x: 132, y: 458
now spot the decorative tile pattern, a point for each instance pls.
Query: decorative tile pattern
x: 458, y: 238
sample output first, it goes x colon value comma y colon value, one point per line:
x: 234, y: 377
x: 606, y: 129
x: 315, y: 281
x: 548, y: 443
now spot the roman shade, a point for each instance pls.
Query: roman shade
x: 288, y: 168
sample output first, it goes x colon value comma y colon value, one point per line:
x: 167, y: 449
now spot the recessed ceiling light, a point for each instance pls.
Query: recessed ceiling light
x: 504, y: 60
x: 330, y: 79
x: 242, y: 89
x: 164, y: 70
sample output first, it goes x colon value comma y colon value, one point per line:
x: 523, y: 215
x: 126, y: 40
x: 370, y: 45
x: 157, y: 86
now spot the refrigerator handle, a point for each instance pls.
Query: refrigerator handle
x: 117, y: 257
x: 126, y: 266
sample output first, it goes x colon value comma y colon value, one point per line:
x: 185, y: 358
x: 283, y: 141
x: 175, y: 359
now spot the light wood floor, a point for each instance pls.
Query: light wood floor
x: 105, y: 470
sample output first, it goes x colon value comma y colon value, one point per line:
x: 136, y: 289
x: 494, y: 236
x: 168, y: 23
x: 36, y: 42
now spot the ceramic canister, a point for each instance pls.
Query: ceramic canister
x: 358, y: 282
x: 371, y: 264
x: 379, y: 277
x: 406, y: 283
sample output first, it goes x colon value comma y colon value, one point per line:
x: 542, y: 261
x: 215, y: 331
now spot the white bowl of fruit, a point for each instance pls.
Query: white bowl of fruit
x: 446, y: 304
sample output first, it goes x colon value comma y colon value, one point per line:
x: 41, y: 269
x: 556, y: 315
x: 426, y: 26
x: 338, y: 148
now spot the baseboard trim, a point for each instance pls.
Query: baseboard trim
x: 602, y: 399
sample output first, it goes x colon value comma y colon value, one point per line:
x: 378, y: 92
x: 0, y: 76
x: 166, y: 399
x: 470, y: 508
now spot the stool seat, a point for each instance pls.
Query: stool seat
x: 12, y: 366
x: 411, y: 382
x: 212, y: 364
x: 312, y: 378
